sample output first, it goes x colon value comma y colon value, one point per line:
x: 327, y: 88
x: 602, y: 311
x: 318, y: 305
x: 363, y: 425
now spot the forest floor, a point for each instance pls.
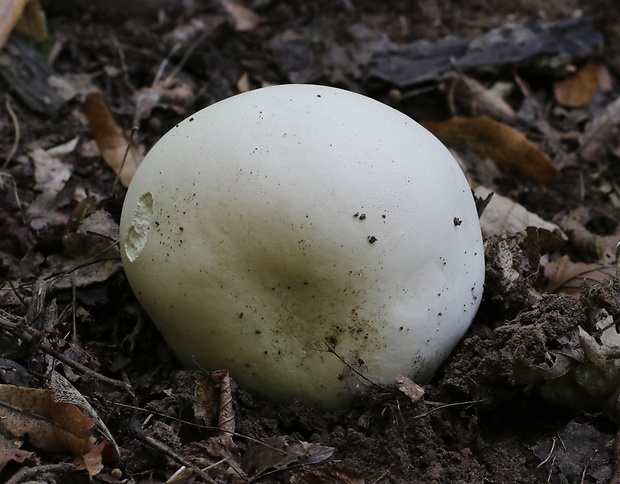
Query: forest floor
x: 529, y: 394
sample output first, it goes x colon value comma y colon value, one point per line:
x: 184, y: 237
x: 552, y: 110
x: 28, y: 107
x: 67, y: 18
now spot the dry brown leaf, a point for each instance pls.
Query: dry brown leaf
x: 579, y: 89
x: 278, y: 453
x: 565, y: 276
x: 64, y: 392
x: 244, y: 18
x: 49, y: 426
x: 589, y: 244
x: 92, y: 461
x: 32, y: 21
x: 539, y: 242
x: 503, y: 215
x: 213, y: 402
x: 243, y: 83
x: 53, y: 426
x: 469, y: 96
x: 507, y: 147
x: 12, y: 11
x: 85, y: 259
x: 110, y: 139
x: 220, y: 455
x: 169, y: 93
x: 9, y: 452
x: 51, y: 170
x: 601, y: 134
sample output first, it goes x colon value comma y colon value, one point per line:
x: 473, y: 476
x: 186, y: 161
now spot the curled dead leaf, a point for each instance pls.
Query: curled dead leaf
x: 565, y: 276
x: 220, y: 456
x: 244, y: 18
x: 601, y: 134
x: 169, y: 93
x: 508, y: 148
x: 110, y: 139
x: 52, y: 426
x: 243, y: 83
x: 602, y: 247
x: 49, y: 426
x: 9, y: 452
x: 468, y: 96
x: 64, y: 392
x: 579, y: 89
x: 213, y: 402
x: 26, y: 15
x: 279, y: 453
x: 503, y: 215
x: 555, y: 365
x: 92, y: 461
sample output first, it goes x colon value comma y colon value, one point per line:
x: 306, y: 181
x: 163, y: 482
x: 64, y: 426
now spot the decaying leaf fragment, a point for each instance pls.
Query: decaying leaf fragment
x: 244, y: 18
x: 590, y: 383
x: 213, y: 402
x: 110, y: 139
x: 220, y: 456
x: 601, y: 247
x: 51, y: 426
x: 410, y: 388
x: 469, y: 96
x: 565, y: 276
x: 503, y: 215
x: 64, y: 392
x: 279, y: 453
x: 52, y: 170
x: 507, y: 147
x: 579, y: 453
x: 573, y: 353
x: 601, y: 135
x: 169, y: 93
x: 9, y: 452
x: 85, y: 259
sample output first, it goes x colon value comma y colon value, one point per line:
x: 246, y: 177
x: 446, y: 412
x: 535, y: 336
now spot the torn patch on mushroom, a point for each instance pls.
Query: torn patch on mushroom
x: 138, y: 232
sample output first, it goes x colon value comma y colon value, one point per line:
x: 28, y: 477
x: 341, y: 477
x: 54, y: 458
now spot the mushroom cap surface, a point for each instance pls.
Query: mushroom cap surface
x: 307, y: 239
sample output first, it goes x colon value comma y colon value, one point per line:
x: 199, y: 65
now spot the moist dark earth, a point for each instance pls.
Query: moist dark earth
x: 529, y: 394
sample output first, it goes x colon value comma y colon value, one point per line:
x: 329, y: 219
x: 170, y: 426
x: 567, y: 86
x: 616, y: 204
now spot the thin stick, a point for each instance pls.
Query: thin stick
x: 615, y: 475
x: 134, y: 130
x: 333, y: 352
x: 455, y: 404
x: 9, y: 157
x: 26, y: 474
x: 14, y: 328
x: 187, y: 422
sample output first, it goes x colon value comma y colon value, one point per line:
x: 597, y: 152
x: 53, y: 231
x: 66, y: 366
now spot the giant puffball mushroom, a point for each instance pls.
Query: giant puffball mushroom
x: 307, y: 239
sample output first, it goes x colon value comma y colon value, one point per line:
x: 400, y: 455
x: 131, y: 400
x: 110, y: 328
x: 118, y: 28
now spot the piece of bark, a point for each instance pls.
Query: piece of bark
x: 509, y: 45
x: 32, y: 79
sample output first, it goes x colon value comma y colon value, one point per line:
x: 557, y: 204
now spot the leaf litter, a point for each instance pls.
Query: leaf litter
x: 543, y: 340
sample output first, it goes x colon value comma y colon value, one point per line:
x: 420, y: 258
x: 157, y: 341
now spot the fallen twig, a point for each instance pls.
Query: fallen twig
x: 26, y: 474
x: 14, y: 324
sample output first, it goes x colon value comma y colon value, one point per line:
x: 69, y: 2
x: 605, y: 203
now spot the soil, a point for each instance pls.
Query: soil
x: 519, y: 400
